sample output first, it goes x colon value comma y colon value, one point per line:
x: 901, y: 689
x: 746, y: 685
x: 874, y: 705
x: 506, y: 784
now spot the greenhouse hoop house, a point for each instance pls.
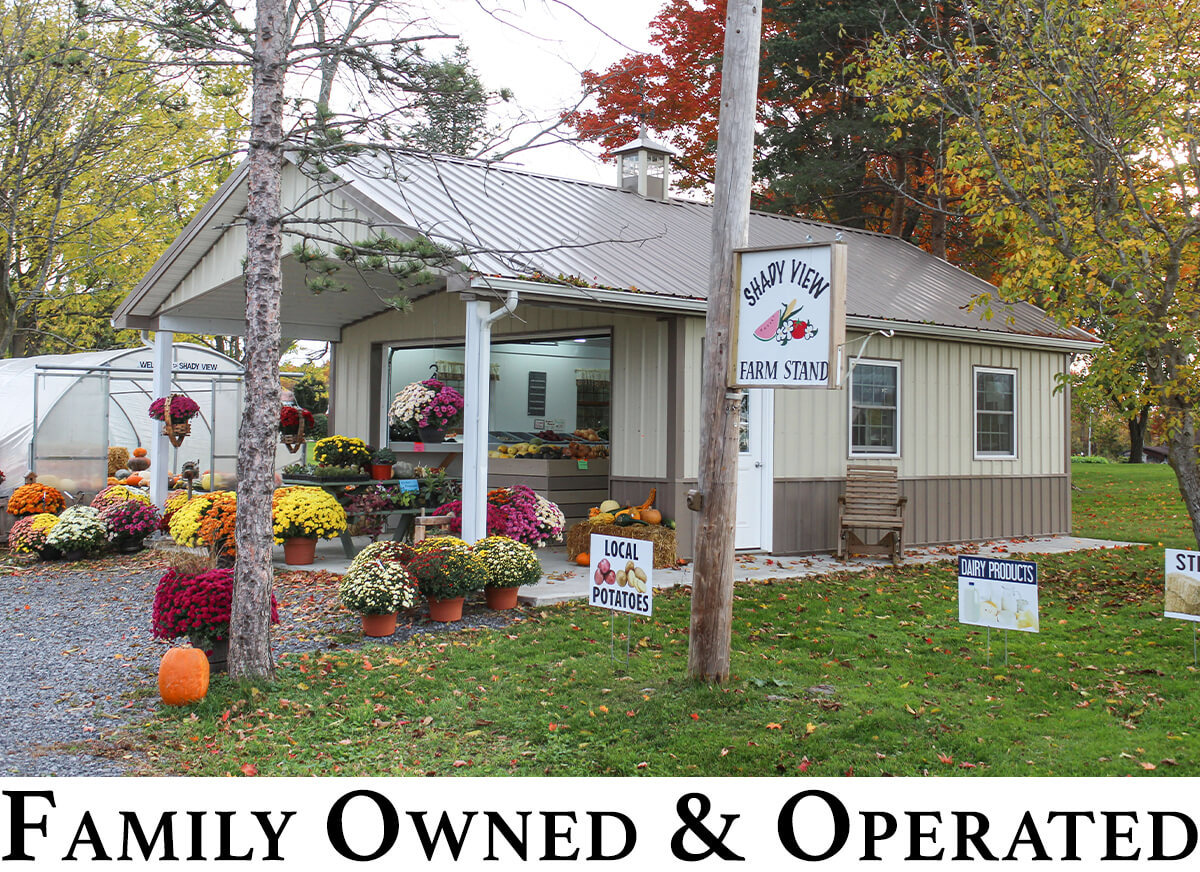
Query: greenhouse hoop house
x: 65, y: 411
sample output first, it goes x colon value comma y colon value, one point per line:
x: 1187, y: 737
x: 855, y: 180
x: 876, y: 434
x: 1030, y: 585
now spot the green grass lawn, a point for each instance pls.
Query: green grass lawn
x: 865, y: 673
x: 1136, y: 502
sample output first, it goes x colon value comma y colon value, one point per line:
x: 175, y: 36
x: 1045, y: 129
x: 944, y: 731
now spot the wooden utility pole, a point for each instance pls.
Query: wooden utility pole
x: 712, y: 591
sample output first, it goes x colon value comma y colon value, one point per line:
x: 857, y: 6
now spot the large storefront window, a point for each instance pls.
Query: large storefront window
x: 537, y: 385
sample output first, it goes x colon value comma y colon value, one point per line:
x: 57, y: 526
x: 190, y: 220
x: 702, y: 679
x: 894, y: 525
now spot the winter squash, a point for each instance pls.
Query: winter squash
x: 183, y: 676
x: 139, y: 464
x: 140, y: 452
x: 583, y: 558
x: 652, y: 516
x: 133, y: 480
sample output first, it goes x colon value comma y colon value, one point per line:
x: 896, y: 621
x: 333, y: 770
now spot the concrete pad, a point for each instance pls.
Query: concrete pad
x: 565, y: 580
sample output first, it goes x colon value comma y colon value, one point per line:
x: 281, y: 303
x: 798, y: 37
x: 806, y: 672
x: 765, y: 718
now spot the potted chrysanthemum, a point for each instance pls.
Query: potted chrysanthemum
x: 194, y: 600
x: 510, y: 564
x: 80, y: 532
x: 302, y: 515
x: 28, y: 535
x: 129, y: 524
x: 378, y: 585
x: 35, y: 499
x: 430, y: 406
x: 447, y: 569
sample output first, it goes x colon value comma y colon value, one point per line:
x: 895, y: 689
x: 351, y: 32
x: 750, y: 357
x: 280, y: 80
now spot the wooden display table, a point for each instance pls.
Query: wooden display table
x: 338, y: 488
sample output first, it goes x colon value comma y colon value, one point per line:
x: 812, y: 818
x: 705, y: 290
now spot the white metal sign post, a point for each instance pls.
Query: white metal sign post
x: 1182, y: 589
x: 1001, y: 594
x: 790, y: 317
x: 622, y: 579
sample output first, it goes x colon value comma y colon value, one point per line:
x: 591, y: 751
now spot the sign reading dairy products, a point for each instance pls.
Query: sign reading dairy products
x: 622, y: 574
x: 1183, y: 585
x: 999, y: 594
x: 789, y: 317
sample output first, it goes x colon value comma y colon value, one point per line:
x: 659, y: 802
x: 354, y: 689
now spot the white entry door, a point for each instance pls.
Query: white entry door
x: 754, y: 497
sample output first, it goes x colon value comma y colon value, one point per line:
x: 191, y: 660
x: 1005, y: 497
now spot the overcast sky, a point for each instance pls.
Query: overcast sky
x: 537, y: 49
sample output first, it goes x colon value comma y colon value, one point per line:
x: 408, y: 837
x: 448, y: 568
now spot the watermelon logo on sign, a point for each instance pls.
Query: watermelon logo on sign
x: 785, y: 325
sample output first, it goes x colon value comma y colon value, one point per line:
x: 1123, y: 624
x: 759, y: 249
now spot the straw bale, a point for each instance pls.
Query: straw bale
x: 665, y: 555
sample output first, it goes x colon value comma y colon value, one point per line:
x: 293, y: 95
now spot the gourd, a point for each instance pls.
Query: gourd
x: 627, y: 520
x: 583, y: 558
x: 139, y: 462
x: 602, y: 518
x: 652, y: 516
x: 123, y: 473
x: 133, y: 480
x: 183, y: 676
x: 609, y: 506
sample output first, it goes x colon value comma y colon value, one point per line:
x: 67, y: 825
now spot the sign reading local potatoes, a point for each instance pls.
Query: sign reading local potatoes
x: 790, y: 317
x: 1183, y: 585
x: 622, y: 574
x: 999, y: 594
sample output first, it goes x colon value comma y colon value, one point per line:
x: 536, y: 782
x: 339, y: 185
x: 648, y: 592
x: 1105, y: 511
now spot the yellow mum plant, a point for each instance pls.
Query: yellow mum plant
x: 307, y: 512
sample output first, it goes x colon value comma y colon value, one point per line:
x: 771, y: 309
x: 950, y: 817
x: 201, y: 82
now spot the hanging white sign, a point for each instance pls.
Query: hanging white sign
x: 622, y: 574
x: 790, y: 316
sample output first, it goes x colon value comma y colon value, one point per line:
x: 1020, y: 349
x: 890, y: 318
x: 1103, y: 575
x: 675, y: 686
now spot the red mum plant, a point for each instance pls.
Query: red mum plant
x: 182, y: 409
x: 290, y: 417
x: 196, y: 605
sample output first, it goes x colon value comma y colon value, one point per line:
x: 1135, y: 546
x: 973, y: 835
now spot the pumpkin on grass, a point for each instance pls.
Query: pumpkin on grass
x: 183, y: 676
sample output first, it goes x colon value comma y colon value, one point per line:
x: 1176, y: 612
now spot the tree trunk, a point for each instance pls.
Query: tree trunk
x: 1137, y: 435
x: 712, y: 593
x: 1181, y: 452
x: 250, y: 621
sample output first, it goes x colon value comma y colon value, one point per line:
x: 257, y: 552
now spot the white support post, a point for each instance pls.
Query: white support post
x: 475, y: 408
x: 164, y: 345
x: 477, y: 380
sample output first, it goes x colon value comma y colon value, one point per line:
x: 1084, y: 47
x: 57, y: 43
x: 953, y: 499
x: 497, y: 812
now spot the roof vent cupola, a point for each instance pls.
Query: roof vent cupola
x: 644, y: 167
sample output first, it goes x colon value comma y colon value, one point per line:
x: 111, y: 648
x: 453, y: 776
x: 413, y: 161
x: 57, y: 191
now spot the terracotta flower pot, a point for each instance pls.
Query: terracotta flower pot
x: 299, y: 551
x: 445, y: 610
x: 379, y: 625
x: 381, y: 471
x: 501, y: 598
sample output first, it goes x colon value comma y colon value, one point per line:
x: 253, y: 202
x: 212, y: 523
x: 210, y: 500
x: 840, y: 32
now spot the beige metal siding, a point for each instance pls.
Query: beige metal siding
x: 939, y: 510
x: 693, y: 384
x: 639, y: 357
x: 936, y: 414
x: 321, y: 216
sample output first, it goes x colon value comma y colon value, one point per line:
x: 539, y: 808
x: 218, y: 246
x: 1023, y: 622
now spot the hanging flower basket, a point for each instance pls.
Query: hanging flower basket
x: 293, y: 423
x: 177, y: 431
x: 176, y: 413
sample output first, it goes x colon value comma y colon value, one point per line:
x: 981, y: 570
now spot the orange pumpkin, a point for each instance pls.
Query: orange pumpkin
x: 140, y: 452
x: 652, y: 516
x: 133, y: 480
x: 583, y: 558
x: 183, y: 676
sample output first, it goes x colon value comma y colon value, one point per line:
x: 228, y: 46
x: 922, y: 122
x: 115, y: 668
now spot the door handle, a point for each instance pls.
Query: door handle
x: 758, y: 464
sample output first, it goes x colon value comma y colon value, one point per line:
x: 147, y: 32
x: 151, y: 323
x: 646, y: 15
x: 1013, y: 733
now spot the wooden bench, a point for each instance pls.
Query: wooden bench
x: 422, y: 524
x: 872, y: 501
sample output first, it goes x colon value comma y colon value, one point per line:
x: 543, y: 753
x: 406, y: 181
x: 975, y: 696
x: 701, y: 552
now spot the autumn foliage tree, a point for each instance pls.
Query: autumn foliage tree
x: 1074, y: 127
x: 822, y: 151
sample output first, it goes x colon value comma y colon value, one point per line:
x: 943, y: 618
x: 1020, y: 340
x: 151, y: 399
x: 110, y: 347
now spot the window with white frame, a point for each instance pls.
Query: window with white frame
x: 995, y: 413
x: 875, y: 408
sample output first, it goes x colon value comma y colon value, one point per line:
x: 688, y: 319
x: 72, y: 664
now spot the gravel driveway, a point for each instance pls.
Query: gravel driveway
x: 75, y: 642
x: 75, y: 646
